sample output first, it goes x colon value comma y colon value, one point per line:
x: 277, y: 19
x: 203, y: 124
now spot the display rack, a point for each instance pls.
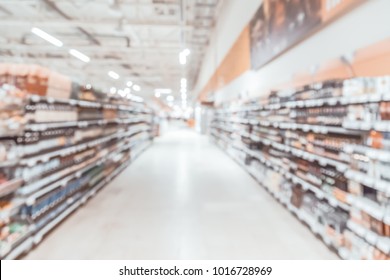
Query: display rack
x: 323, y: 151
x: 56, y: 153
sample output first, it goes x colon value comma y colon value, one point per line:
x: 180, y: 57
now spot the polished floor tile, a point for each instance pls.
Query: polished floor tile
x: 184, y: 198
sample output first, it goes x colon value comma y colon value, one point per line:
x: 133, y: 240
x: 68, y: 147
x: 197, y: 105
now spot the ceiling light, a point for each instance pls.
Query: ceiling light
x: 184, y: 96
x: 47, y: 37
x: 182, y: 59
x: 136, y: 87
x: 127, y: 90
x: 112, y: 90
x: 170, y: 98
x: 183, y: 81
x: 157, y: 94
x: 183, y: 90
x: 129, y: 83
x: 183, y: 56
x: 79, y: 55
x: 113, y: 75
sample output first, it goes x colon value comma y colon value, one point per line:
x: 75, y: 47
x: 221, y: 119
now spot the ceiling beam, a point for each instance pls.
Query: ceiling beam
x: 21, y: 48
x: 60, y: 23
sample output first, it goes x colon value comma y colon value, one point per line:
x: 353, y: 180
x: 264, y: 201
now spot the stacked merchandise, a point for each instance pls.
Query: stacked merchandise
x: 55, y: 153
x: 324, y: 152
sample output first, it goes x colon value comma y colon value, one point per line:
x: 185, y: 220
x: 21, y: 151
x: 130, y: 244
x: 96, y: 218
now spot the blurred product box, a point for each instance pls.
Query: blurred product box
x: 36, y: 80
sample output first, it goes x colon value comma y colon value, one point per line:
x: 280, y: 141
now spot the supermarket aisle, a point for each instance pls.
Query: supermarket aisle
x: 182, y: 199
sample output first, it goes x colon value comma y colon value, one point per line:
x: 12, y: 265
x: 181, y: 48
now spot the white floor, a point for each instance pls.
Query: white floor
x: 183, y: 198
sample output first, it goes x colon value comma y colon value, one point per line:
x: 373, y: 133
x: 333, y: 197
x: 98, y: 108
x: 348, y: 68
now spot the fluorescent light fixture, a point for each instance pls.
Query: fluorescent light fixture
x: 183, y: 90
x: 129, y: 83
x: 163, y: 90
x: 182, y: 59
x: 136, y: 87
x: 47, y: 37
x: 157, y: 94
x: 170, y: 98
x: 112, y: 90
x: 113, y: 75
x: 183, y: 56
x: 79, y: 55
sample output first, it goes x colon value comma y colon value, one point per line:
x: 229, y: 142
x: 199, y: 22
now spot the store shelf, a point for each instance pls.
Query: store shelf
x: 71, y: 205
x: 81, y: 124
x: 375, y: 154
x: 323, y: 129
x: 10, y: 186
x: 380, y: 242
x: 380, y: 213
x: 332, y: 101
x: 31, y: 161
x: 304, y: 217
x: 87, y: 104
x: 295, y: 179
x: 383, y: 126
x: 323, y: 161
x: 369, y: 181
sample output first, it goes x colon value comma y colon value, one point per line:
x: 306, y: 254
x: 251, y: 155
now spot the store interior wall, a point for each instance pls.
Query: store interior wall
x: 232, y: 20
x: 364, y: 25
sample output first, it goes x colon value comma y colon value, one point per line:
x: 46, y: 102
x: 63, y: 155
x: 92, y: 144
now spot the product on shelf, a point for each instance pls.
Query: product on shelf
x: 56, y: 152
x: 328, y: 145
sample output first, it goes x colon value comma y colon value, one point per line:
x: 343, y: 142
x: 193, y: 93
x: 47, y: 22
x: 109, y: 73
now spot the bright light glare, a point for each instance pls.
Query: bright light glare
x: 127, y: 90
x: 183, y: 56
x: 113, y: 75
x: 79, y: 55
x: 47, y: 37
x: 129, y: 83
x: 136, y: 87
x: 170, y: 98
x: 182, y: 59
x: 112, y: 90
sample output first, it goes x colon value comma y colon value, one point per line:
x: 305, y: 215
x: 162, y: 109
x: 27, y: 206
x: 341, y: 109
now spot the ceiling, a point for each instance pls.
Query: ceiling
x: 138, y: 39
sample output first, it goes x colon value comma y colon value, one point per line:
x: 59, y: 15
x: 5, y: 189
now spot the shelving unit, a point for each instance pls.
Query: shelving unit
x: 55, y: 154
x: 321, y: 150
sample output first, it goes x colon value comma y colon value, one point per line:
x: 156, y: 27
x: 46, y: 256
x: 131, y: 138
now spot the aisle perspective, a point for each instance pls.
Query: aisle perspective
x: 182, y: 199
x: 268, y: 123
